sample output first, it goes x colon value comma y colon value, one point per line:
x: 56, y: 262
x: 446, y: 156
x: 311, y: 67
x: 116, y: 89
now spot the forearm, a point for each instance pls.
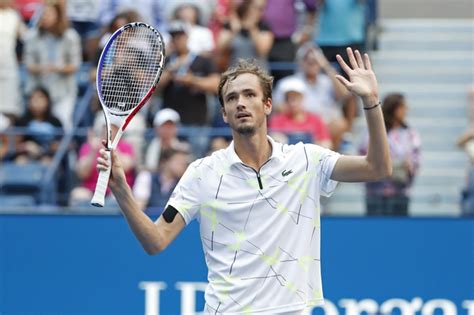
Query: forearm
x: 378, y: 153
x: 141, y: 225
x: 68, y: 69
x: 207, y: 84
x: 464, y: 138
x: 263, y: 41
x: 339, y: 90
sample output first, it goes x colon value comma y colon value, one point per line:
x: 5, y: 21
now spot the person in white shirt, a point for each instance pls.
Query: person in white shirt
x: 200, y: 39
x: 11, y: 29
x: 257, y: 201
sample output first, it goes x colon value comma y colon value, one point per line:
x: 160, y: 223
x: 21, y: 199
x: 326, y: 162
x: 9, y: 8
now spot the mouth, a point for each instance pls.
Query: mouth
x: 243, y: 115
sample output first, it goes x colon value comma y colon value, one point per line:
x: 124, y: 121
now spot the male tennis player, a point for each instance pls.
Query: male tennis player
x: 257, y: 201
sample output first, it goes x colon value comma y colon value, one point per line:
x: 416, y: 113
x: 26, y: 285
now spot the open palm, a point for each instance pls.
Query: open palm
x: 362, y: 80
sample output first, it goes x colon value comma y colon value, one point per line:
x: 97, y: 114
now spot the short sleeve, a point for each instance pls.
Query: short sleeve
x: 325, y: 160
x: 328, y: 161
x: 186, y: 195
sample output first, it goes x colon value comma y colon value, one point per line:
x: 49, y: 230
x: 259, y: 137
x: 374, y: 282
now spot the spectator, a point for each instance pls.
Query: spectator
x: 11, y: 28
x: 154, y: 188
x: 52, y: 57
x: 28, y: 8
x: 247, y: 36
x: 84, y: 17
x: 216, y: 144
x: 392, y: 195
x: 295, y: 118
x: 150, y: 11
x: 205, y: 7
x: 282, y: 17
x: 466, y: 142
x: 42, y: 130
x: 87, y: 157
x: 200, y: 39
x: 166, y: 137
x: 187, y: 79
x: 4, y: 139
x: 220, y: 15
x: 341, y: 25
x: 323, y: 91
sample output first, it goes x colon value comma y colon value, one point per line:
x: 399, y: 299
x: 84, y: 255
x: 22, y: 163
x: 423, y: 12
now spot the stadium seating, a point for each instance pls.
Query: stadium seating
x: 431, y: 62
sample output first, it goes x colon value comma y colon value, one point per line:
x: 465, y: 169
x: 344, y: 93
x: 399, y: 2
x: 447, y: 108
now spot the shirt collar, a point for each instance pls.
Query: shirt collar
x: 233, y: 158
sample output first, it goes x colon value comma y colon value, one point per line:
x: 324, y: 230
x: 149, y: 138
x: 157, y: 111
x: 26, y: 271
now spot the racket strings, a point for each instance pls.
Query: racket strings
x: 130, y: 68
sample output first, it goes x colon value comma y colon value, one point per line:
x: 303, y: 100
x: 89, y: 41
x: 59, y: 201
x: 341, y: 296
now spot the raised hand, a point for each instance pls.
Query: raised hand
x: 362, y: 80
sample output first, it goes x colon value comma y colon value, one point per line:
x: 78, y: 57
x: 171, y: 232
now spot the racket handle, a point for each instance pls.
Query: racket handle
x: 98, y: 200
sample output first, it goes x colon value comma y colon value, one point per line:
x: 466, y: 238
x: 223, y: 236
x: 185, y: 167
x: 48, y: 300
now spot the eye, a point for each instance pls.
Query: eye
x: 230, y: 98
x: 250, y: 94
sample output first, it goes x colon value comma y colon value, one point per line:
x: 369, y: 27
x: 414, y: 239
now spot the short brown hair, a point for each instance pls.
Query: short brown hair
x: 247, y: 66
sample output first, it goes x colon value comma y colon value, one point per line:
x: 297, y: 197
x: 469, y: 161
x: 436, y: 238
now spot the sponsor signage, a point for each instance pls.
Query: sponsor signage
x: 94, y: 265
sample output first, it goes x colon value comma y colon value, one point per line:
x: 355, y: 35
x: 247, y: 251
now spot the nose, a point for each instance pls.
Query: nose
x: 241, y: 103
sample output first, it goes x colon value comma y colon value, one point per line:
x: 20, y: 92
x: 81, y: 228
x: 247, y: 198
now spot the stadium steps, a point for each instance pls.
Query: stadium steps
x: 430, y: 61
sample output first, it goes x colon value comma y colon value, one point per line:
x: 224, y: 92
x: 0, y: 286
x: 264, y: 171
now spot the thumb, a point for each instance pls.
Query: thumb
x: 344, y: 81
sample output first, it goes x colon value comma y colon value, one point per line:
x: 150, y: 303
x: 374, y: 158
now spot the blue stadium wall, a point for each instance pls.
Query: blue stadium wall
x: 94, y: 265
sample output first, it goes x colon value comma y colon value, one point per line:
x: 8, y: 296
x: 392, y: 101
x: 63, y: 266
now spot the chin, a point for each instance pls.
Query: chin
x: 245, y: 130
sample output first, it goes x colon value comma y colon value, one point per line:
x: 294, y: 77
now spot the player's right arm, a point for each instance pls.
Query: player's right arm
x: 154, y: 236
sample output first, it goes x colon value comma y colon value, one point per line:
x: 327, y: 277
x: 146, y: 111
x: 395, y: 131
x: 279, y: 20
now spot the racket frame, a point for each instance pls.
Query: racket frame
x: 123, y: 119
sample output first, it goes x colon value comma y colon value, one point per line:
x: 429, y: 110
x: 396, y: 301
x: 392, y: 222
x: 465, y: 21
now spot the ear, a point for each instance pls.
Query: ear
x: 268, y: 106
x: 224, y: 114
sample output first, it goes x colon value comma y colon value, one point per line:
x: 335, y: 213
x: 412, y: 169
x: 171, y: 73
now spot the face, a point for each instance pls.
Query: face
x: 401, y: 112
x: 167, y: 130
x: 257, y: 8
x: 38, y: 103
x: 310, y: 65
x: 180, y: 42
x: 178, y: 163
x: 244, y: 108
x: 294, y: 101
x: 49, y: 17
x: 5, y: 3
x: 188, y: 14
x: 118, y: 23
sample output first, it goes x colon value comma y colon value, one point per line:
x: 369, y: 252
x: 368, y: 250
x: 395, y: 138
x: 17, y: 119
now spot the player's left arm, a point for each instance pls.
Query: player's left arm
x: 376, y: 164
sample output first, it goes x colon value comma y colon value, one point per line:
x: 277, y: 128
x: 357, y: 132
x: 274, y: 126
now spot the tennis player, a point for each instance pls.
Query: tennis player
x: 257, y: 201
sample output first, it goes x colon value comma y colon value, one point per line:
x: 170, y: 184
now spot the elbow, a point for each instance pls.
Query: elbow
x: 384, y: 171
x: 153, y: 250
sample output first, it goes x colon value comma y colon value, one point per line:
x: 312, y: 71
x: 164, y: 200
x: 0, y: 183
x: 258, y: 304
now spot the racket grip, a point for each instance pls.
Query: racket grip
x: 98, y: 200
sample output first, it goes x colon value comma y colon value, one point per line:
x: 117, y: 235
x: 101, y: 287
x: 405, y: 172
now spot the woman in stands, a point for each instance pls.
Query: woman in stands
x: 392, y: 195
x: 42, y: 130
x: 52, y: 57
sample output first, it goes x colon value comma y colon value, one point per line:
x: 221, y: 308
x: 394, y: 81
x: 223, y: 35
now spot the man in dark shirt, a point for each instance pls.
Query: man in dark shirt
x: 187, y: 79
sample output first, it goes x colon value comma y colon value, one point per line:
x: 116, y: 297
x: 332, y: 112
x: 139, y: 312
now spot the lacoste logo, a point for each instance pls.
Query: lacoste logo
x: 286, y: 173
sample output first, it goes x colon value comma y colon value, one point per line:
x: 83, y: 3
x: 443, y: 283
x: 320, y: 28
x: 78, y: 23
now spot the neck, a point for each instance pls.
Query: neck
x: 183, y: 53
x: 298, y: 116
x: 311, y: 78
x: 253, y: 150
x: 396, y: 124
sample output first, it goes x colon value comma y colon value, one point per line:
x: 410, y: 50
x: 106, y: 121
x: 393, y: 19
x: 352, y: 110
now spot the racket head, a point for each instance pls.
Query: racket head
x: 129, y: 69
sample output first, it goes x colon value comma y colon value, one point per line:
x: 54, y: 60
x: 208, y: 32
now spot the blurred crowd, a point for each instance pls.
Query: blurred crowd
x: 49, y: 49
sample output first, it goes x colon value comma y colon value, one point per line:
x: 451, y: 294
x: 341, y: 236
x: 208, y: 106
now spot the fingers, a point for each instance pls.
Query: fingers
x: 344, y: 81
x: 352, y: 59
x: 360, y: 62
x: 368, y: 65
x: 343, y: 64
x: 103, y: 162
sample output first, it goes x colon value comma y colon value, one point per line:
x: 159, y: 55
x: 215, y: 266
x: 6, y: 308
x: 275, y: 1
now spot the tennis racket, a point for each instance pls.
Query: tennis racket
x: 128, y: 71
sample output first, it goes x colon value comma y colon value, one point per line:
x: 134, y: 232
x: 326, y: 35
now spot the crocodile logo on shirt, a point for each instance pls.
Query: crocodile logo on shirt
x: 286, y: 173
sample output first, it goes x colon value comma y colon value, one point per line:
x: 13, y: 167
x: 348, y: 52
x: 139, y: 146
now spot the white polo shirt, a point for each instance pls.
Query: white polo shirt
x: 260, y: 230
